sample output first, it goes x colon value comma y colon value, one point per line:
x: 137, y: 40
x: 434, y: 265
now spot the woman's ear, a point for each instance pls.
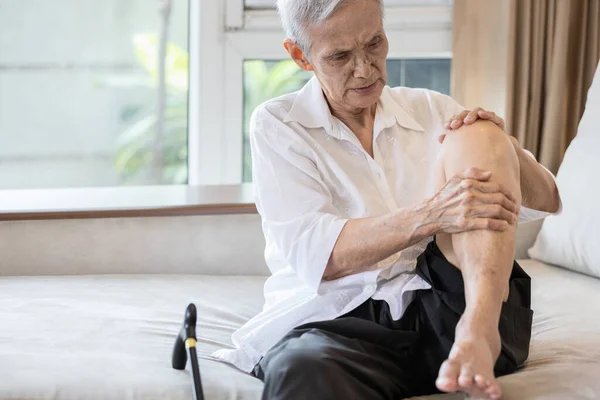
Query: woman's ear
x: 297, y: 55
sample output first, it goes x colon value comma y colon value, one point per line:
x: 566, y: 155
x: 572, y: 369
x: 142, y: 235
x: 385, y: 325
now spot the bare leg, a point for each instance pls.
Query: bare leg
x: 485, y: 259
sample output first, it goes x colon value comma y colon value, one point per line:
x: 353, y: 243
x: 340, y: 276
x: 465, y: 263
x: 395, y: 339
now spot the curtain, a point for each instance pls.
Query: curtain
x: 550, y: 50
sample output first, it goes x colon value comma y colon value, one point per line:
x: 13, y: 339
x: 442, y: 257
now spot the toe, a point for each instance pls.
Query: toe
x: 465, y: 380
x: 447, y: 380
x: 481, y: 382
x: 493, y: 391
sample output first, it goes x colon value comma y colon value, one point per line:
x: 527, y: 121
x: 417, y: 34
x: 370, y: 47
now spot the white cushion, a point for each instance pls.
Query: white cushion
x: 571, y: 239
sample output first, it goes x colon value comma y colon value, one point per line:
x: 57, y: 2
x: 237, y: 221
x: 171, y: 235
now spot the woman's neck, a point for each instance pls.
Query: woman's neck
x: 357, y: 119
x: 360, y: 122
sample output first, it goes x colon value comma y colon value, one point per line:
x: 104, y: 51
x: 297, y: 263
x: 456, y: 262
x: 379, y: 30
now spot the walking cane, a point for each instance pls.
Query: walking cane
x: 184, y: 344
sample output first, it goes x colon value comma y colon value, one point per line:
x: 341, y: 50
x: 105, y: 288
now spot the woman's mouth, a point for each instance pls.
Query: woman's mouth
x: 366, y: 89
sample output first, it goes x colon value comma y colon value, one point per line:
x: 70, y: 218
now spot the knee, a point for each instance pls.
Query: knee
x: 297, y: 363
x: 299, y: 372
x: 483, y: 145
x: 482, y: 136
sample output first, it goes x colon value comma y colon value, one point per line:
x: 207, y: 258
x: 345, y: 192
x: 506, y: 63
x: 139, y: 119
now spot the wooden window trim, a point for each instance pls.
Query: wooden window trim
x: 123, y: 202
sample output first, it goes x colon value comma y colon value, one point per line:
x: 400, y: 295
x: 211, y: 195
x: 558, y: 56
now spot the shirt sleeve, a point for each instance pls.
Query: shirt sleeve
x: 529, y: 214
x: 296, y: 207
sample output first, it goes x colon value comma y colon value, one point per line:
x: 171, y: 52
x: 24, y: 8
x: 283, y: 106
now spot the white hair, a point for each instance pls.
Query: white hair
x: 298, y: 15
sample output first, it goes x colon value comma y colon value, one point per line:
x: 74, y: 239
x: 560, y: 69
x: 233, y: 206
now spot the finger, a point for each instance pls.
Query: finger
x: 474, y: 173
x: 491, y: 211
x: 457, y: 123
x: 490, y: 115
x: 460, y: 116
x: 457, y: 120
x: 473, y: 115
x: 441, y: 138
x: 473, y: 224
x: 500, y: 122
x: 488, y: 187
x: 497, y: 187
x: 492, y: 198
x: 449, y: 122
x: 486, y: 114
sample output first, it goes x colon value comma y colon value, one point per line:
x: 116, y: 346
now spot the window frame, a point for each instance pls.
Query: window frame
x: 216, y: 103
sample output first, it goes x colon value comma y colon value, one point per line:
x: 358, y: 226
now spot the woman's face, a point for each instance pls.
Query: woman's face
x: 348, y: 55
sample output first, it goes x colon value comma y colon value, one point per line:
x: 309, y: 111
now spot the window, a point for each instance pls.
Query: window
x: 80, y: 97
x: 81, y: 102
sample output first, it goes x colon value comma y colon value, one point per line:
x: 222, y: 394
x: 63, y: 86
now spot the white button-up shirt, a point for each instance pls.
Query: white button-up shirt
x: 311, y: 175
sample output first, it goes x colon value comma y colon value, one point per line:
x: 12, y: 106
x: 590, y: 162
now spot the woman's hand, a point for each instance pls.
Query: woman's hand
x: 470, y: 201
x: 470, y: 117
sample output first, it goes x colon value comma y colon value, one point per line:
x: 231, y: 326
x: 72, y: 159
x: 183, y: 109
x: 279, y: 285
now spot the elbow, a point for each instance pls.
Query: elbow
x: 556, y: 200
x: 550, y: 202
x: 332, y: 269
x: 335, y: 268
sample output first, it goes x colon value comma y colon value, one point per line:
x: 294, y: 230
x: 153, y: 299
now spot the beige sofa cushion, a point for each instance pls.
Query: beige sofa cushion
x: 110, y: 337
x: 208, y: 245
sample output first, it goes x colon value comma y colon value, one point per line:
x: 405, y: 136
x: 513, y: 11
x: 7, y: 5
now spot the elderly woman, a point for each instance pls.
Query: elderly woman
x: 391, y: 248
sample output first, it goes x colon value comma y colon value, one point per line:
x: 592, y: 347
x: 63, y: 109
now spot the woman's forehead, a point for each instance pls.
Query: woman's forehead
x: 346, y: 39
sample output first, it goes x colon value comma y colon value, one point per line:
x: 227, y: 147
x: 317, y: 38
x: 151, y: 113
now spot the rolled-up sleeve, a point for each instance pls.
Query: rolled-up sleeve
x: 529, y: 214
x: 299, y: 219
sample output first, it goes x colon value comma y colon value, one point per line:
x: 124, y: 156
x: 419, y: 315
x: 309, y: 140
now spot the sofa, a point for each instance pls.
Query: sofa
x: 90, y: 308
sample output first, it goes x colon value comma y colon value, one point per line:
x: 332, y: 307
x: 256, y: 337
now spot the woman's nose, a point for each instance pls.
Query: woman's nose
x: 362, y: 67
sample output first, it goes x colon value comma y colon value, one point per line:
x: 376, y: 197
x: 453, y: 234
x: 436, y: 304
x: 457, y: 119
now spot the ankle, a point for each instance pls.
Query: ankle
x: 476, y: 336
x: 477, y: 325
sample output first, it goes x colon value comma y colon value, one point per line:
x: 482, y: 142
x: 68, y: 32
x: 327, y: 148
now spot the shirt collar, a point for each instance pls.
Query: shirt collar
x: 391, y: 109
x: 310, y: 109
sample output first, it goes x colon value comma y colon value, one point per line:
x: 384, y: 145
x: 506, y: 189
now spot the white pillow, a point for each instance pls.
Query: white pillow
x: 571, y: 239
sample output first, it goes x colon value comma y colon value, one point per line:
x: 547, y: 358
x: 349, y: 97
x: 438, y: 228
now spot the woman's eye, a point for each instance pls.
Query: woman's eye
x: 375, y: 42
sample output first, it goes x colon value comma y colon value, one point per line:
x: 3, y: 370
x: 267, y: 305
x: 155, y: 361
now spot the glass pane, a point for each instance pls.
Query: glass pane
x: 260, y: 3
x: 79, y: 93
x: 431, y: 74
x: 264, y: 80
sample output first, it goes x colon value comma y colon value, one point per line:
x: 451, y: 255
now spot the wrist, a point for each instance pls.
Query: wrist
x: 424, y: 222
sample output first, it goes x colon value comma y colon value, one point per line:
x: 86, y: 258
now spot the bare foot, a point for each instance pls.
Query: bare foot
x: 470, y: 366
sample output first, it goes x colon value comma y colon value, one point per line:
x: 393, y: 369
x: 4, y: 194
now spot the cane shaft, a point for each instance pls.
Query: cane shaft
x: 196, y: 382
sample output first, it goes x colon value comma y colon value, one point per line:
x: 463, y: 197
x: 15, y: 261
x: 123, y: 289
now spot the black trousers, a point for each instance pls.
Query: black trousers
x: 365, y: 354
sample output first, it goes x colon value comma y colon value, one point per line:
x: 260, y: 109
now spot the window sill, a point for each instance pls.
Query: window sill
x: 141, y: 201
